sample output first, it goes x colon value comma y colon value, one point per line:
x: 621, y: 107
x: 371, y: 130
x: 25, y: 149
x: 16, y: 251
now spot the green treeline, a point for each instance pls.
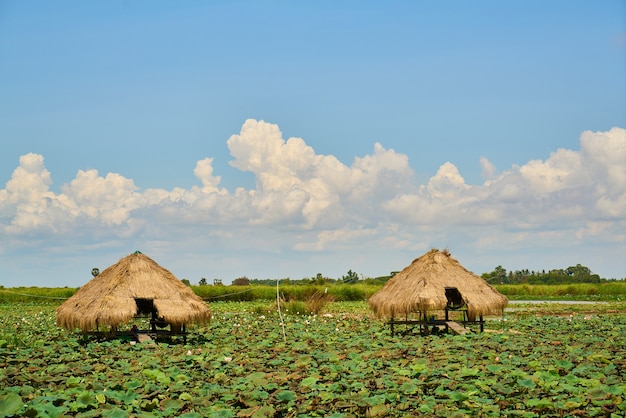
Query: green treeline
x: 571, y: 275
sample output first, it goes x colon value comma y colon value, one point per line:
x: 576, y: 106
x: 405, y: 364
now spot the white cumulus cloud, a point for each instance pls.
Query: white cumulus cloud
x: 314, y: 203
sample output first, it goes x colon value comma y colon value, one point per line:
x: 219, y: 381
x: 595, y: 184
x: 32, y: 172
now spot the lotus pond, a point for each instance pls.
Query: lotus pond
x: 566, y: 361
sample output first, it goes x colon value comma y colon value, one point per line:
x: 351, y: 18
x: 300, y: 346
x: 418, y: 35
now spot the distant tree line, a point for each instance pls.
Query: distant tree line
x: 350, y: 277
x: 570, y: 275
x: 573, y: 274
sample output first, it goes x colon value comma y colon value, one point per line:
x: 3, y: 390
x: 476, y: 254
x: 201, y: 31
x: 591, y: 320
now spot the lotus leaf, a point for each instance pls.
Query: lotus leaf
x: 286, y: 396
x: 10, y: 404
x: 115, y: 413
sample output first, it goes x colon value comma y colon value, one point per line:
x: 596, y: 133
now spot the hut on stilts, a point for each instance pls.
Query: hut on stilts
x: 135, y: 287
x: 436, y: 293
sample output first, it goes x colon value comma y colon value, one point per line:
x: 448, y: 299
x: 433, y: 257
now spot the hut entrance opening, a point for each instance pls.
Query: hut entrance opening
x: 455, y: 300
x: 455, y: 303
x: 145, y: 307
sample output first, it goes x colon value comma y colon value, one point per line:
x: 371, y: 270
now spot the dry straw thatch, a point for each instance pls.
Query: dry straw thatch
x: 421, y: 288
x: 109, y: 299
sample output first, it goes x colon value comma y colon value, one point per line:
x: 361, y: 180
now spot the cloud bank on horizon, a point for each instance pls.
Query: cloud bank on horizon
x: 310, y: 212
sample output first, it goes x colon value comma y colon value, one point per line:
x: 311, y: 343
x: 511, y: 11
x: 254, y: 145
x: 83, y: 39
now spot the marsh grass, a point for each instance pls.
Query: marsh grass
x: 35, y: 294
x: 295, y: 307
x: 579, y: 291
x: 318, y: 301
x: 338, y: 292
x: 608, y: 291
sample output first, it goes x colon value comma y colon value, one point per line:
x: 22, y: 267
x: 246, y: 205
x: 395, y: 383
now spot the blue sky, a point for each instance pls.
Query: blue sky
x: 274, y: 139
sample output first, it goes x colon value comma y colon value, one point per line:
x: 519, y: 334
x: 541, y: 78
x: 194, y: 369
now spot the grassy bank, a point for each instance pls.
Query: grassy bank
x: 609, y: 291
x: 338, y: 292
x: 53, y: 295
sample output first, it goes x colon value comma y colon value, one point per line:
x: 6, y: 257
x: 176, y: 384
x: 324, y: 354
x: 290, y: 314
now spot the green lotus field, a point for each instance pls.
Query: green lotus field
x: 537, y: 360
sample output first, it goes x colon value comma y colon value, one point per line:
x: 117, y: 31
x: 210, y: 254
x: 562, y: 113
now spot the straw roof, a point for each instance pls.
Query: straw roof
x: 421, y: 287
x: 109, y: 298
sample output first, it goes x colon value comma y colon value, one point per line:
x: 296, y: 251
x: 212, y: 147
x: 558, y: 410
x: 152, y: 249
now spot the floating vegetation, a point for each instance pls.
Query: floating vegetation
x: 340, y: 363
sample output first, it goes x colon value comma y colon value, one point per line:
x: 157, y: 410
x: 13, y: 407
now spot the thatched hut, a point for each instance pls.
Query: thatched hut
x: 436, y: 282
x: 135, y: 285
